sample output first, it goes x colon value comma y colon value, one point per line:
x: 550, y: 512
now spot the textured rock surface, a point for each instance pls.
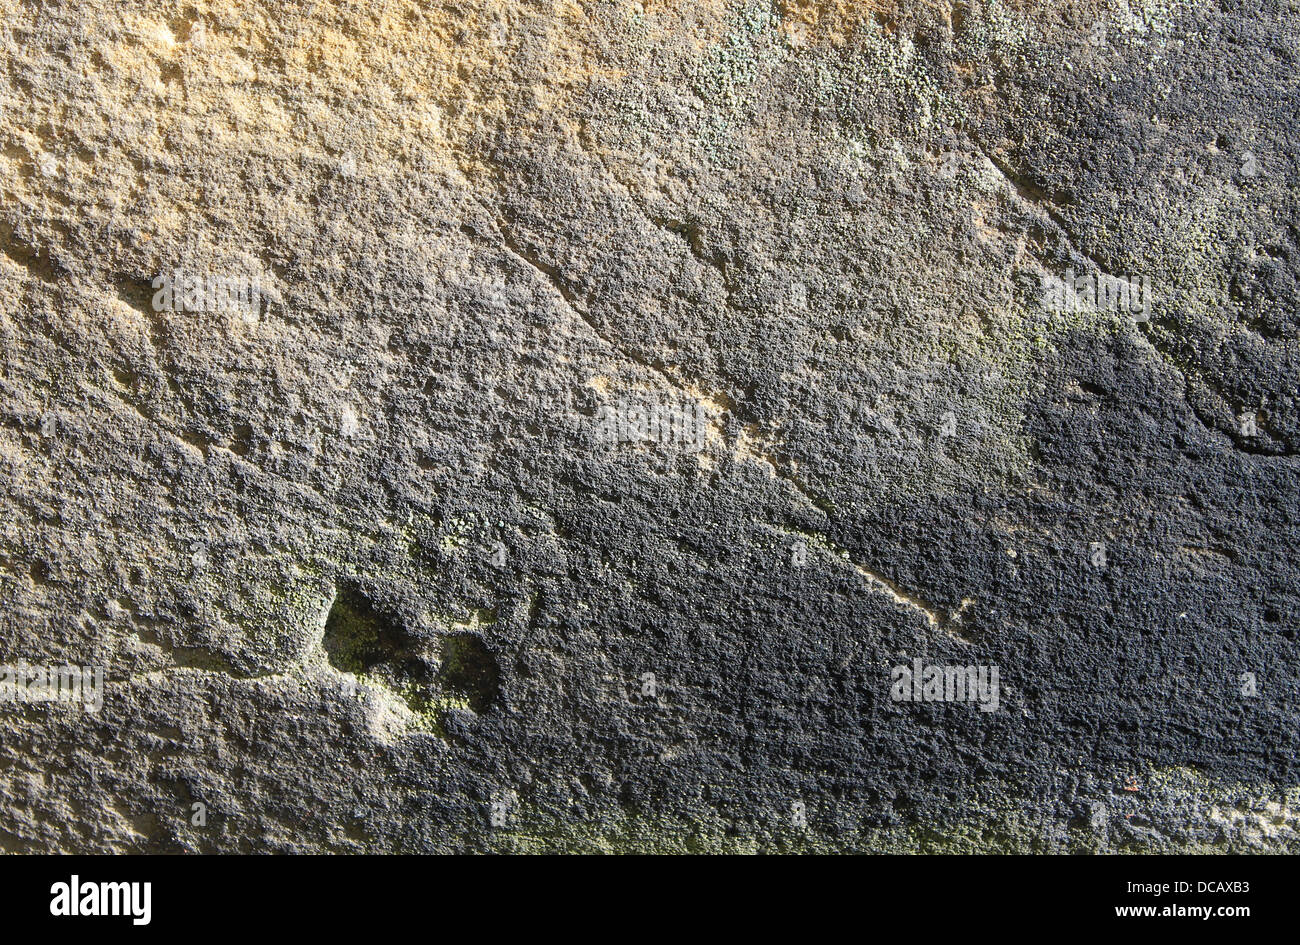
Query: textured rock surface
x: 364, y: 574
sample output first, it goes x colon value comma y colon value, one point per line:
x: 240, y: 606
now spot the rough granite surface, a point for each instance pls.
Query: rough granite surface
x: 364, y: 573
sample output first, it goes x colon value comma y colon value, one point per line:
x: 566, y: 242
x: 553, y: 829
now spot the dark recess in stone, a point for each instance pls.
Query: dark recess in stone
x: 470, y: 670
x: 358, y: 638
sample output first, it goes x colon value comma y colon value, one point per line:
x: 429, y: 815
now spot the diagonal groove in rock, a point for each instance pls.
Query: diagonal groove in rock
x: 879, y: 584
x: 557, y: 280
x: 685, y: 232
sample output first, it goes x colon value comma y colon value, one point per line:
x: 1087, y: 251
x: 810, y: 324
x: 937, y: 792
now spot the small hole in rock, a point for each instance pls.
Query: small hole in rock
x: 470, y: 670
x: 358, y: 638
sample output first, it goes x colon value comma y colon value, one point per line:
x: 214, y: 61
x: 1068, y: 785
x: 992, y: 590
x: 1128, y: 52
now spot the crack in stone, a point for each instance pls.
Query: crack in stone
x: 879, y: 584
x: 562, y: 286
x: 560, y: 283
x: 688, y: 233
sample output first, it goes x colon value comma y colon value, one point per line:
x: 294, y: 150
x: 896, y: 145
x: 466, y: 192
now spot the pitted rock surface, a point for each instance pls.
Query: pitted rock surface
x: 628, y: 390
